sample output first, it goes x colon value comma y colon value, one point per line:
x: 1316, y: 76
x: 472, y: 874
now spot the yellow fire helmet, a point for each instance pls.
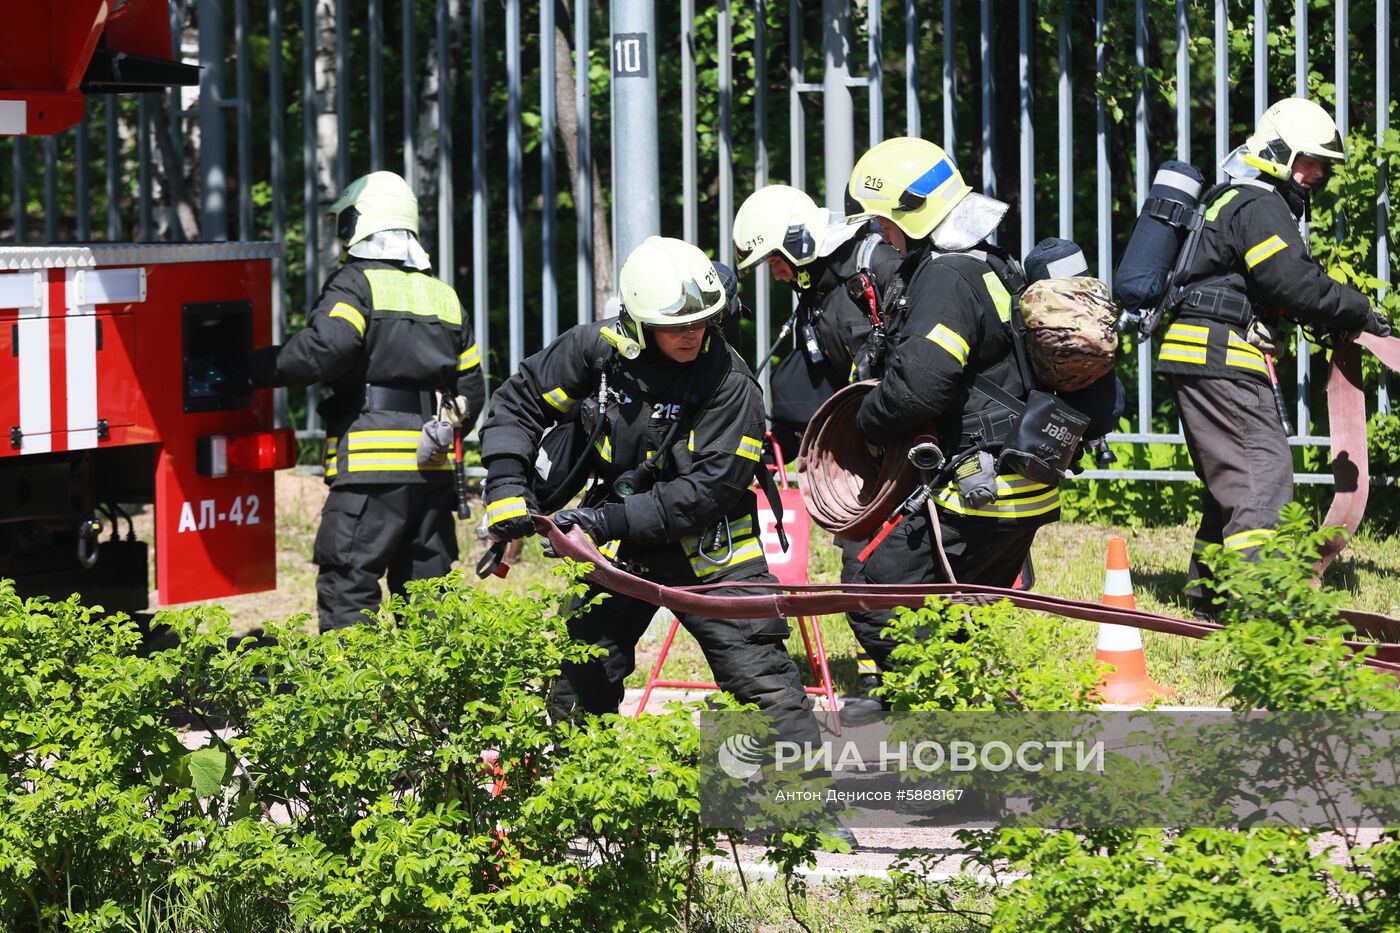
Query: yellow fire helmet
x: 1288, y: 129
x: 374, y: 202
x: 667, y: 282
x: 909, y: 181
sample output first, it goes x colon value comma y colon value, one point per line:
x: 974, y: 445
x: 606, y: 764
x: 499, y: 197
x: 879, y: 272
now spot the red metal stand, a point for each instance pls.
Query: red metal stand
x: 789, y: 567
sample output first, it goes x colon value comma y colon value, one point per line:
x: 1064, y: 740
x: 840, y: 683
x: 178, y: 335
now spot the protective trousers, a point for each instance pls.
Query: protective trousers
x: 1240, y: 452
x: 747, y: 657
x: 851, y: 567
x: 405, y: 530
x: 979, y: 550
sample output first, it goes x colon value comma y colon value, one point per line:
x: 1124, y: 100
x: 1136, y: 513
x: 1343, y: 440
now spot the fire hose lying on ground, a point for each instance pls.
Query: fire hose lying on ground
x: 851, y: 492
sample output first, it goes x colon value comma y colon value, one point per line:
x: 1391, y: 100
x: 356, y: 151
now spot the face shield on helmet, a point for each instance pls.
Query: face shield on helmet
x: 374, y: 202
x: 666, y: 282
x: 1291, y: 128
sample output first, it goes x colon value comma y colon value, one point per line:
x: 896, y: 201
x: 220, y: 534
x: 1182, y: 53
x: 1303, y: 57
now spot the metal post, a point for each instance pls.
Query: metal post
x: 310, y: 109
x: 1222, y: 88
x: 1105, y: 214
x: 1300, y: 81
x: 376, y: 84
x: 409, y: 28
x: 1300, y: 56
x: 342, y: 95
x: 989, y: 177
x: 1144, y: 348
x: 1183, y: 85
x: 515, y: 248
x: 1383, y: 180
x: 21, y: 195
x: 876, y: 73
x: 480, y: 271
x: 690, y: 196
x: 242, y: 59
x: 213, y: 155
x: 797, y: 117
x: 276, y: 166
x: 113, y: 156
x: 636, y: 165
x: 1066, y: 164
x: 174, y: 174
x: 82, y: 198
x: 50, y: 189
x: 583, y: 210
x: 549, y: 294
x: 1027, y: 130
x: 1343, y: 67
x: 446, y: 264
x: 725, y: 79
x: 1261, y: 59
x: 912, y: 118
x: 762, y: 294
x: 838, y: 121
x: 144, y: 219
x: 949, y: 135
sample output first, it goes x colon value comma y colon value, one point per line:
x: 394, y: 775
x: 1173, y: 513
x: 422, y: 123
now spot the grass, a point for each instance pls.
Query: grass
x: 1069, y: 561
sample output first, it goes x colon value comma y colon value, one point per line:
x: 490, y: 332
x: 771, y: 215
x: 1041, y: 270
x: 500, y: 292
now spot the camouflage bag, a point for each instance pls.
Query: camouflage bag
x: 1070, y: 335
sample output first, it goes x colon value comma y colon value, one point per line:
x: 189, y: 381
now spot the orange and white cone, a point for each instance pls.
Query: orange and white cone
x: 1121, y: 645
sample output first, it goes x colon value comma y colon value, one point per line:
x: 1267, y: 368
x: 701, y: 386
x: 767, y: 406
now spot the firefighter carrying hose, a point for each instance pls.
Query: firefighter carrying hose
x: 847, y: 286
x: 1251, y: 266
x: 951, y: 362
x: 390, y: 343
x: 675, y: 425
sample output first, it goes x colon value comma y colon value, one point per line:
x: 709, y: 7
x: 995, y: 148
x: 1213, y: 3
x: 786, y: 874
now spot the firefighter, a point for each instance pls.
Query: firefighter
x: 1251, y: 267
x: 676, y: 434
x: 846, y: 285
x: 951, y: 363
x: 390, y: 343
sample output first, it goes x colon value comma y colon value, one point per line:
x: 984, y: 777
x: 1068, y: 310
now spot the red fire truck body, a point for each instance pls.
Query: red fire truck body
x: 123, y: 379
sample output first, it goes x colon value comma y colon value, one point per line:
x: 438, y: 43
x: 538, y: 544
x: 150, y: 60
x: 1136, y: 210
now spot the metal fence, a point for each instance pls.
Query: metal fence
x: 1044, y: 99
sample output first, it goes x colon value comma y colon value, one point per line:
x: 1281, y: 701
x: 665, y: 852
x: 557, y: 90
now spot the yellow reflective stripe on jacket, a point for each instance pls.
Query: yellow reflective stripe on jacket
x: 746, y: 547
x: 387, y: 461
x: 413, y: 293
x: 750, y: 448
x: 1261, y: 251
x: 506, y: 509
x: 1188, y: 333
x: 1039, y: 500
x: 604, y: 448
x: 332, y: 448
x: 345, y: 312
x: 470, y: 358
x: 1181, y: 353
x: 949, y: 340
x: 690, y: 444
x: 1239, y: 353
x: 609, y: 549
x: 738, y: 528
x: 1000, y: 296
x: 1186, y: 343
x: 1220, y: 202
x: 1244, y: 540
x: 560, y: 399
x: 744, y: 551
x: 384, y: 440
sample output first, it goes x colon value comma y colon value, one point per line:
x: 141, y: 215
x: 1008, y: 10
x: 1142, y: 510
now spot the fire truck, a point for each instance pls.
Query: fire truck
x: 124, y: 367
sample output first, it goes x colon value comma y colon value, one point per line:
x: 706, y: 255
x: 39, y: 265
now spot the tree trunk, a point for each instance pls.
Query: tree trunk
x: 568, y: 130
x: 327, y: 133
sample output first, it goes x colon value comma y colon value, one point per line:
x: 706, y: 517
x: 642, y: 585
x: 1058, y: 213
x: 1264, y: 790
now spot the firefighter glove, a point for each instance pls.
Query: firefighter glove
x: 510, y: 502
x: 1377, y: 324
x: 606, y: 524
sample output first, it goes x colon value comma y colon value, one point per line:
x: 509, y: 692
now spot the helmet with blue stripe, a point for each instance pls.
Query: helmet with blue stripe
x: 910, y: 182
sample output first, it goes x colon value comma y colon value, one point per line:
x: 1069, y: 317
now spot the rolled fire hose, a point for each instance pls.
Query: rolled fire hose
x: 815, y: 599
x: 848, y: 490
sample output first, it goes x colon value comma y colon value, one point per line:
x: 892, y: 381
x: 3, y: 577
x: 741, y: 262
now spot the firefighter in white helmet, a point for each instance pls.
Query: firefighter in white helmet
x: 1249, y: 268
x: 847, y: 283
x: 672, y: 422
x: 391, y: 345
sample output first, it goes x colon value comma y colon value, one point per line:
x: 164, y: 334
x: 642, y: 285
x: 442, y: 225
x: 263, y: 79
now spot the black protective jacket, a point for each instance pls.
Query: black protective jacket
x: 1250, y: 251
x: 703, y: 419
x: 383, y: 339
x: 954, y: 326
x: 837, y: 305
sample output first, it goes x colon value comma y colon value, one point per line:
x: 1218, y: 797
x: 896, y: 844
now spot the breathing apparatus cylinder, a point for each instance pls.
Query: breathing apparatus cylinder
x: 1171, y: 211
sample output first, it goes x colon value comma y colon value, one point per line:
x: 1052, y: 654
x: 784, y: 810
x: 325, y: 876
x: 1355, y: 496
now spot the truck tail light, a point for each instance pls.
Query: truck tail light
x: 246, y: 453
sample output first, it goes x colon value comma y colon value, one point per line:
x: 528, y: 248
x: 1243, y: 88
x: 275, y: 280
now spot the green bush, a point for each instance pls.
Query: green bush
x: 401, y: 775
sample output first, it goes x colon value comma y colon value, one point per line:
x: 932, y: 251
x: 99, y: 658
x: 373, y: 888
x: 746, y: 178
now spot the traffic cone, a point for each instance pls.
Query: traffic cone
x: 1121, y: 645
